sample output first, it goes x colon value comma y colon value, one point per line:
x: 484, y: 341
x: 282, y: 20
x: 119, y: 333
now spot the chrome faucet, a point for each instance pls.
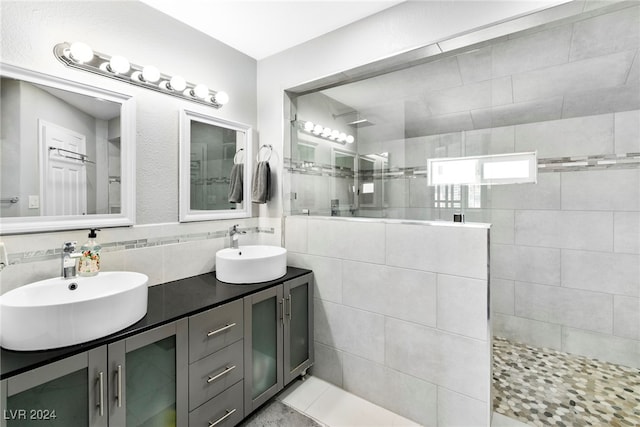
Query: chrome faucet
x: 233, y: 236
x: 68, y: 260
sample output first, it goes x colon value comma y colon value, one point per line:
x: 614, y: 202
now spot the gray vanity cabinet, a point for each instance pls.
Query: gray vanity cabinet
x: 216, y: 366
x: 298, y: 327
x: 71, y: 391
x: 278, y: 344
x: 136, y: 381
x: 263, y: 320
x: 148, y: 378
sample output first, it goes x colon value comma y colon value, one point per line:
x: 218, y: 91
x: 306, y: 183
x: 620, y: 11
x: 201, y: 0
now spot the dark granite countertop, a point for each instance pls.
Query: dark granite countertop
x: 167, y: 303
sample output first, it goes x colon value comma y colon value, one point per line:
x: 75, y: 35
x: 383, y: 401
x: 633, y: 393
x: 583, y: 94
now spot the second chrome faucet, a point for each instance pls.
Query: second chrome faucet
x: 233, y: 236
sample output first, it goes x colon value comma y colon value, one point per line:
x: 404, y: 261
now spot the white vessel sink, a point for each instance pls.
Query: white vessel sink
x: 59, y: 312
x: 251, y: 264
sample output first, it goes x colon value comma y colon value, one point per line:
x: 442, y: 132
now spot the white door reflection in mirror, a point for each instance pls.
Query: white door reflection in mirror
x: 64, y: 174
x: 214, y: 179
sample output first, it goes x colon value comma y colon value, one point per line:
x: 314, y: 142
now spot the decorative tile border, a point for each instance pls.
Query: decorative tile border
x: 49, y: 254
x: 582, y: 163
x: 555, y: 164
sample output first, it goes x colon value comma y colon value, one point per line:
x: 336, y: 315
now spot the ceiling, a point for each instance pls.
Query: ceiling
x: 260, y: 28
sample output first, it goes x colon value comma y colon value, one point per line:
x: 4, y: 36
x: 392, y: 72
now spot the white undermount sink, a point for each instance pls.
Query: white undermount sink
x: 59, y: 312
x: 251, y: 264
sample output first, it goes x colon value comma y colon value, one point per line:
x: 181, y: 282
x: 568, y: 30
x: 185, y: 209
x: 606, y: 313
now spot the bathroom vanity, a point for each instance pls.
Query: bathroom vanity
x: 207, y: 353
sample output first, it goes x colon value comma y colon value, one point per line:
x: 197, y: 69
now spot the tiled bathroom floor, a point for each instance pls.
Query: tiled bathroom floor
x: 544, y: 387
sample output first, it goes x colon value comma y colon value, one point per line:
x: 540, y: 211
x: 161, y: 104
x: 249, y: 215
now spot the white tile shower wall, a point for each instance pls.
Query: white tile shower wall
x: 570, y: 279
x: 401, y: 313
x: 162, y: 263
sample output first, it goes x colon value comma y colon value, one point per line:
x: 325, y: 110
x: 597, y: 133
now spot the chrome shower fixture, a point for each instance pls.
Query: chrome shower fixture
x: 80, y: 56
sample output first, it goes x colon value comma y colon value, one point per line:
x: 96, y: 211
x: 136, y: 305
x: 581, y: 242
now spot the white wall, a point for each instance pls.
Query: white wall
x: 401, y: 313
x: 30, y: 30
x: 157, y: 245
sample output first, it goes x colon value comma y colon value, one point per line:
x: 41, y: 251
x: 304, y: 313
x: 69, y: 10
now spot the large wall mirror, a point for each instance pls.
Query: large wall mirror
x: 67, y: 154
x: 215, y: 168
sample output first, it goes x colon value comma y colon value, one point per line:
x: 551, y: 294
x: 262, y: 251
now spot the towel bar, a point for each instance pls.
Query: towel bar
x: 235, y: 156
x: 268, y: 147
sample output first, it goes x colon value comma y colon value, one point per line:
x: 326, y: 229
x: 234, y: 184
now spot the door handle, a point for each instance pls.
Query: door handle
x: 119, y: 385
x: 282, y: 310
x: 100, y: 382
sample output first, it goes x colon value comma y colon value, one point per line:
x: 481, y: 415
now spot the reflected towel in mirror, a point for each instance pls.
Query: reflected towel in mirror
x: 261, y: 188
x: 236, y: 183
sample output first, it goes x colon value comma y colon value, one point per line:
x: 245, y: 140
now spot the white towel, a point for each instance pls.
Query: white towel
x: 261, y: 188
x: 236, y: 180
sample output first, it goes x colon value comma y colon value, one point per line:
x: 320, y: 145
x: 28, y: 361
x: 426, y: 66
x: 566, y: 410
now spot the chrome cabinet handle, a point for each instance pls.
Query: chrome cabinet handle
x: 224, y: 328
x: 225, y: 372
x: 100, y: 381
x: 119, y: 385
x: 282, y: 310
x: 221, y: 419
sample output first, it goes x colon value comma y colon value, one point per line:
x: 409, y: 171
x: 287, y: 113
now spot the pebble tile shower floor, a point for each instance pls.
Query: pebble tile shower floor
x: 544, y: 387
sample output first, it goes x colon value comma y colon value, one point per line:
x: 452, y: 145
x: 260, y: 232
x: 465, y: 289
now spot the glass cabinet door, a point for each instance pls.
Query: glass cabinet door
x: 70, y: 392
x: 298, y: 326
x: 148, y: 374
x: 264, y: 316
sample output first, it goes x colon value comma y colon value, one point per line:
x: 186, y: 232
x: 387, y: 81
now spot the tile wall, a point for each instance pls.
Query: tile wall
x: 566, y: 263
x: 164, y: 252
x: 401, y: 313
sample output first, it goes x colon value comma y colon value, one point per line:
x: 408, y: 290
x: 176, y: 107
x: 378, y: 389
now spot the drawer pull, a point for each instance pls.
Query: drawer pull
x: 225, y: 372
x: 224, y: 328
x: 221, y: 419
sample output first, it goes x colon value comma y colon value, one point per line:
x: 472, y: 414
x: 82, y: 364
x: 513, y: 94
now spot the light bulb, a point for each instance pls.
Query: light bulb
x: 335, y: 134
x: 119, y: 64
x: 326, y: 132
x: 201, y: 91
x: 350, y: 139
x: 80, y: 52
x: 317, y: 129
x: 308, y: 126
x: 342, y: 137
x: 177, y: 83
x: 150, y: 74
x: 221, y: 97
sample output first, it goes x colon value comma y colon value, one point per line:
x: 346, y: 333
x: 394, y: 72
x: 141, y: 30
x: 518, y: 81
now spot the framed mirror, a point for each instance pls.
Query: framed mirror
x: 215, y: 167
x: 67, y: 154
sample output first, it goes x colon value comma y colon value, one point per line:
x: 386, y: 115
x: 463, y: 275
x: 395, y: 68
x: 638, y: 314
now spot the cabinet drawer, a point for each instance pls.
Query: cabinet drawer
x: 228, y: 404
x: 213, y: 374
x: 214, y: 329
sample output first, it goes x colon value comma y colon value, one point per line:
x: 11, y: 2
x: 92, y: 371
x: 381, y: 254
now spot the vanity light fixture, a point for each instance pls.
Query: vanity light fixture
x: 333, y: 135
x: 80, y: 56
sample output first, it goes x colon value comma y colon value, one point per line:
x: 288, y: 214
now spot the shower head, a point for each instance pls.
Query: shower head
x: 360, y: 123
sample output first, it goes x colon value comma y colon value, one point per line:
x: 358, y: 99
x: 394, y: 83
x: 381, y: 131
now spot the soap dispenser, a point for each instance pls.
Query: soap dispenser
x: 89, y: 264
